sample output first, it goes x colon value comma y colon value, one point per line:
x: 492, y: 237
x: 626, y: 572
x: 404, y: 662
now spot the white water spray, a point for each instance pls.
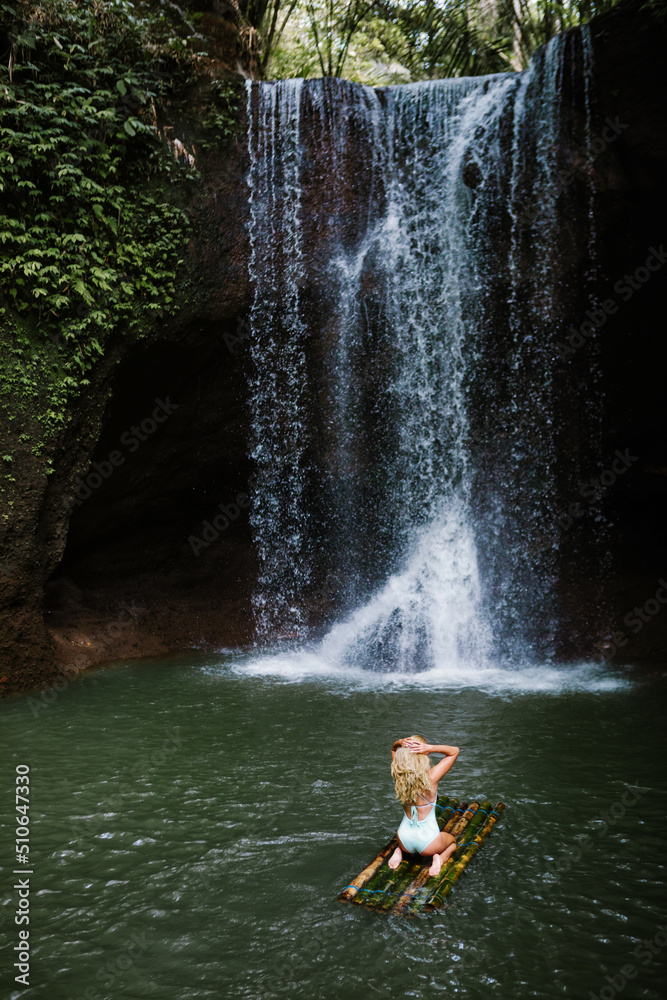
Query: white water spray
x: 380, y: 514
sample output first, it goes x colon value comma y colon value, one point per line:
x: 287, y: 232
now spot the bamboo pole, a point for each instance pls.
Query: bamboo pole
x: 476, y: 833
x: 409, y: 896
x: 453, y: 873
x: 469, y: 829
x: 362, y: 879
x: 402, y: 878
x: 411, y: 899
x: 368, y: 892
x: 405, y: 888
x: 463, y: 820
x: 455, y: 817
x: 402, y: 881
x: 477, y: 821
x: 372, y: 871
x: 443, y: 808
x: 382, y: 882
x: 447, y: 812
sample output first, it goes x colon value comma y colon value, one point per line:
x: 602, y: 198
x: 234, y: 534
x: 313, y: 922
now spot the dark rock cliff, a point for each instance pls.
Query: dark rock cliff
x: 631, y: 88
x: 154, y: 444
x: 139, y: 542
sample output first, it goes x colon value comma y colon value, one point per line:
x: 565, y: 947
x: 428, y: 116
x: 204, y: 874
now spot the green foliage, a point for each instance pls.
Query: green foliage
x: 658, y: 9
x: 394, y: 41
x: 333, y: 24
x: 295, y: 55
x: 221, y: 114
x: 539, y: 21
x: 91, y: 233
x: 431, y: 41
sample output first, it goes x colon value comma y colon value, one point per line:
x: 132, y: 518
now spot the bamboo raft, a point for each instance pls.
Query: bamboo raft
x: 409, y: 889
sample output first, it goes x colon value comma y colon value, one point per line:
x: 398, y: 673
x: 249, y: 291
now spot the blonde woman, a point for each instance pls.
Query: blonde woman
x: 417, y: 788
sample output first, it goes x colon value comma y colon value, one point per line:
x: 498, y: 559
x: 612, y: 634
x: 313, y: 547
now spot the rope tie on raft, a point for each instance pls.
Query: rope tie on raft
x: 413, y: 890
x: 383, y: 891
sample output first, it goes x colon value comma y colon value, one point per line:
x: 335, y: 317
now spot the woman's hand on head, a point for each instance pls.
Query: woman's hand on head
x: 416, y: 747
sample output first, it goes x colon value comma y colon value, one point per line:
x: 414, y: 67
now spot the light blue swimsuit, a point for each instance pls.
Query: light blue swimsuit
x: 416, y: 834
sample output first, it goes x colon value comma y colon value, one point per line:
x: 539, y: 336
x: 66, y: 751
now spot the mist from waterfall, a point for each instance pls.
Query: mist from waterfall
x: 403, y: 419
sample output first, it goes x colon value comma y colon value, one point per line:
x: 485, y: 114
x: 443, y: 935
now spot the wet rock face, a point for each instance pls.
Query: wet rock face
x: 154, y: 446
x: 472, y: 174
x: 540, y: 279
x: 172, y: 450
x: 631, y: 215
x: 146, y: 508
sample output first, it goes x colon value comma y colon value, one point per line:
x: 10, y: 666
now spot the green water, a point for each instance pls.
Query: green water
x: 192, y: 824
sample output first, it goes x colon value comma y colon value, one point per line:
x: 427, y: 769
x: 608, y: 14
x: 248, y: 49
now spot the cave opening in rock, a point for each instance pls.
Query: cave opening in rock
x: 160, y: 518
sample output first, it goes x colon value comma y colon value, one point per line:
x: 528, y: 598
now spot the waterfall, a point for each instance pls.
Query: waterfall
x: 408, y: 291
x: 278, y: 361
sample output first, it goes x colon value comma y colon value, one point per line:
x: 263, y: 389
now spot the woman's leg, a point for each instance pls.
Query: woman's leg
x: 397, y: 856
x: 440, y: 849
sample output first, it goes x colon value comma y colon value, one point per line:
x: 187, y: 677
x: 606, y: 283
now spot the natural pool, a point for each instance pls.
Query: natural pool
x: 194, y: 819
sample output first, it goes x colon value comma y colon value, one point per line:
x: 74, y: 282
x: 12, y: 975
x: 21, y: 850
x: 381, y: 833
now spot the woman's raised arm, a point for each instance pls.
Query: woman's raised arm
x: 441, y: 768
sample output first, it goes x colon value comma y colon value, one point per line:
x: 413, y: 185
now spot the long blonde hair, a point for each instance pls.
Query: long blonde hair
x: 411, y: 773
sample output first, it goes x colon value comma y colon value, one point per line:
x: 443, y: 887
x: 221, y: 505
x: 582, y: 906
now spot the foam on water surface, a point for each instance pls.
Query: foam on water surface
x: 295, y: 665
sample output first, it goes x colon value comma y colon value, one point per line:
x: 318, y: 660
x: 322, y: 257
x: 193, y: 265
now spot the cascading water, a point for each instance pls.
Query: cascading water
x: 406, y: 258
x: 279, y: 361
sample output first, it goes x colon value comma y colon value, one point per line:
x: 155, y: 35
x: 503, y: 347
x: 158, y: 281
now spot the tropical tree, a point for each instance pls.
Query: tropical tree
x: 406, y: 39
